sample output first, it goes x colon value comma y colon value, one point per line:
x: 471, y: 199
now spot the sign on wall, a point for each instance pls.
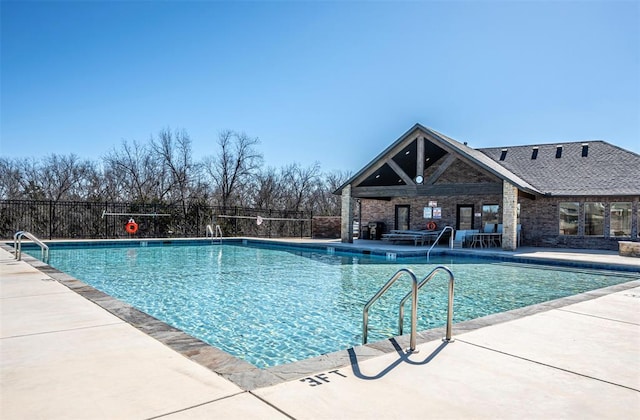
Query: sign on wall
x: 428, y: 213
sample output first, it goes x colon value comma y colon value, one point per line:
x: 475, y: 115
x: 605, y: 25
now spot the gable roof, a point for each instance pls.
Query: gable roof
x: 605, y: 170
x: 588, y: 168
x: 471, y: 155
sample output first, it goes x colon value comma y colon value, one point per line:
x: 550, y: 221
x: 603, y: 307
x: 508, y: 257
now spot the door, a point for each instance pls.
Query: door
x: 464, y: 219
x: 402, y: 217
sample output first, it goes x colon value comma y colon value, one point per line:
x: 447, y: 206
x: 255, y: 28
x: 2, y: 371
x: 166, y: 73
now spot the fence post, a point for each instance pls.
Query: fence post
x: 50, y: 219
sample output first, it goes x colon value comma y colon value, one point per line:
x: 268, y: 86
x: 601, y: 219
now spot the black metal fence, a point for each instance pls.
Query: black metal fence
x: 102, y: 220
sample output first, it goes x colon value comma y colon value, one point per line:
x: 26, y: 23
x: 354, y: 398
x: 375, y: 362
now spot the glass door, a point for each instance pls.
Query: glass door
x: 464, y: 219
x: 402, y: 217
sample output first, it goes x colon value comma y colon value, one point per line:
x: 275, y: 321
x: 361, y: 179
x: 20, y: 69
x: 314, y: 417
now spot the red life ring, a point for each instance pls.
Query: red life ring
x: 131, y: 227
x: 431, y: 226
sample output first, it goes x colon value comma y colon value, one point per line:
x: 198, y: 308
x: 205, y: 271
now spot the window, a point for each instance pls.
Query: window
x: 490, y: 214
x: 620, y: 223
x: 569, y: 213
x: 594, y: 219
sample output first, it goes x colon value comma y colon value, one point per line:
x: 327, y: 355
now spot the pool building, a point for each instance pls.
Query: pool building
x: 565, y: 195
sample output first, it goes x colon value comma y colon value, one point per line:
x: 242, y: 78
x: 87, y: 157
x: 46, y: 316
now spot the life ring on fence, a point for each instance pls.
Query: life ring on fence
x: 131, y: 227
x: 431, y: 226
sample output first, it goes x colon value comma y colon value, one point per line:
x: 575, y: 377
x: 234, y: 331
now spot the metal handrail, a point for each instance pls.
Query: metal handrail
x: 17, y: 245
x: 414, y: 308
x: 438, y: 238
x: 449, y: 305
x: 214, y: 235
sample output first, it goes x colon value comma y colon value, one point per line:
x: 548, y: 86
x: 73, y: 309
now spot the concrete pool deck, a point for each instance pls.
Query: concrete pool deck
x: 62, y: 356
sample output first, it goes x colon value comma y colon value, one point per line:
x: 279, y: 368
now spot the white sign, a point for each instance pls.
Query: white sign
x: 433, y: 204
x: 427, y: 214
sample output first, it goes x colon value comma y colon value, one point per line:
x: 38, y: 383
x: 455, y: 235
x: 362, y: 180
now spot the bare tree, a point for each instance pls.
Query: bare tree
x: 235, y: 164
x: 173, y: 151
x: 137, y: 173
x: 326, y: 203
x: 63, y: 177
x: 299, y: 185
x: 267, y: 190
x: 11, y: 178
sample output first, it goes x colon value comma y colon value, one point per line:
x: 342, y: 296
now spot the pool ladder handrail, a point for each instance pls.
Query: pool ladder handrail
x: 414, y: 306
x: 214, y: 234
x: 17, y: 244
x: 449, y: 304
x: 440, y: 236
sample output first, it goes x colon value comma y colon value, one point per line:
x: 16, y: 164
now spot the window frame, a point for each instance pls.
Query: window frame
x: 589, y: 216
x: 629, y: 211
x: 569, y: 218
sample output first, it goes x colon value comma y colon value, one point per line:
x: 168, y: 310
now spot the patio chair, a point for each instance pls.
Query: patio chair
x: 459, y: 238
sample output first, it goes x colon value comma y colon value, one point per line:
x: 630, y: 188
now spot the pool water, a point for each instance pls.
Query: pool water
x: 275, y: 306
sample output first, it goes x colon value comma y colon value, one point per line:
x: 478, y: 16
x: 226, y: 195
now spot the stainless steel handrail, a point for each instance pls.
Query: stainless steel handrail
x: 440, y: 236
x: 17, y: 245
x: 414, y: 307
x: 449, y: 305
x: 214, y: 235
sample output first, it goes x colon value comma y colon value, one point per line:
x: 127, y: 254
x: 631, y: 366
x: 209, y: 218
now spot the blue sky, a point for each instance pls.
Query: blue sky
x: 333, y: 82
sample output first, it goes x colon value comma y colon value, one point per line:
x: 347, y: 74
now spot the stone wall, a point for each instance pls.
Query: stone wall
x: 326, y: 227
x: 629, y: 249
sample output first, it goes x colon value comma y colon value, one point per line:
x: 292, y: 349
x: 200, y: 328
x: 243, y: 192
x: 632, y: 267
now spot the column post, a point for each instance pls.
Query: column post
x: 509, y: 216
x: 346, y: 216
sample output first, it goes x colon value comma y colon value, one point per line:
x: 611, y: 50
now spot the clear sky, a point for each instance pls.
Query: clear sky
x: 333, y: 82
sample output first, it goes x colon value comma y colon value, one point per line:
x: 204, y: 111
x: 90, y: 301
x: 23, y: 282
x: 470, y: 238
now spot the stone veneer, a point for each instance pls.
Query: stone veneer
x: 346, y: 227
x: 629, y: 249
x: 509, y: 216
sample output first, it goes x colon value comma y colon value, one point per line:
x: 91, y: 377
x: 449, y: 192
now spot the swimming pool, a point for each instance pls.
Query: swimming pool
x: 271, y: 306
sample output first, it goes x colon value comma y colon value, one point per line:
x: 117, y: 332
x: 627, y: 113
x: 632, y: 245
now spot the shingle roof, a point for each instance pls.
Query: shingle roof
x: 605, y: 170
x: 489, y: 164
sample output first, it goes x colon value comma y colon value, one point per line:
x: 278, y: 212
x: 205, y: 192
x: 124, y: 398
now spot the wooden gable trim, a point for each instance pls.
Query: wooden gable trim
x: 388, y: 156
x: 486, y: 188
x: 442, y: 169
x: 401, y: 173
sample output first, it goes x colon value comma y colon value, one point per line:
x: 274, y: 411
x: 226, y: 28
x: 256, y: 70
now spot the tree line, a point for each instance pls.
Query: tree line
x: 163, y: 170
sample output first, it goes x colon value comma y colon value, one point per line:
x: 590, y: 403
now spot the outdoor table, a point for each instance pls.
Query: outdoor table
x: 485, y: 240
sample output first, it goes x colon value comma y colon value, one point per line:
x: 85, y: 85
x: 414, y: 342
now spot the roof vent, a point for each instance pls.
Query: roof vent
x: 534, y: 153
x: 558, y: 151
x: 503, y: 155
x: 585, y: 149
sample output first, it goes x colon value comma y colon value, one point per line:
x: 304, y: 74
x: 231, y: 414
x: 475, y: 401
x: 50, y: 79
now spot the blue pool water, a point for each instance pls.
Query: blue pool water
x: 274, y: 306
